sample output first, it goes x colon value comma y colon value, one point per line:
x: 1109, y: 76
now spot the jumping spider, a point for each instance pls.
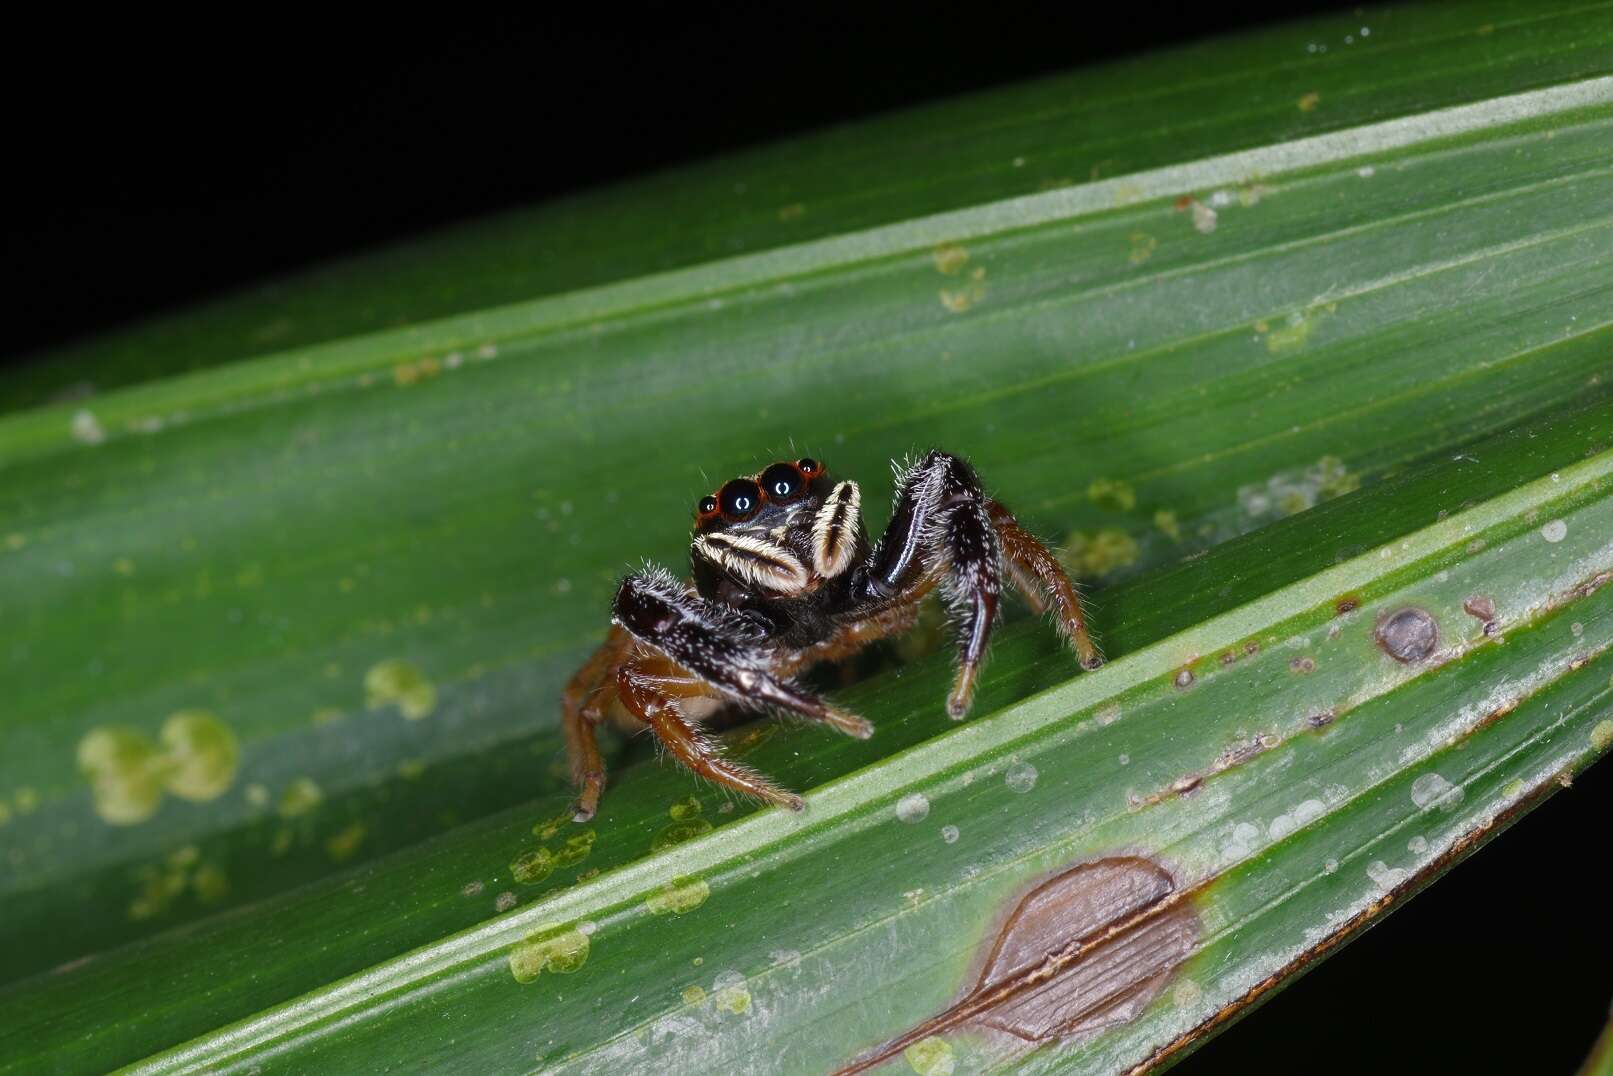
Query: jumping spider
x: 783, y: 578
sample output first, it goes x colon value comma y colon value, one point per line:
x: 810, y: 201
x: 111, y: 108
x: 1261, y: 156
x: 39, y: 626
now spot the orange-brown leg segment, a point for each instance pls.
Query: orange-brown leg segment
x: 650, y: 694
x: 586, y: 698
x: 1039, y: 576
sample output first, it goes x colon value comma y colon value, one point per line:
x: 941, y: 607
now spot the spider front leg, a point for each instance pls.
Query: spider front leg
x: 650, y: 694
x: 942, y: 523
x: 706, y: 649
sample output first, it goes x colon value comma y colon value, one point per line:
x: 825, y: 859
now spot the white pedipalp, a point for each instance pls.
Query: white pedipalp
x: 756, y: 561
x: 834, y: 530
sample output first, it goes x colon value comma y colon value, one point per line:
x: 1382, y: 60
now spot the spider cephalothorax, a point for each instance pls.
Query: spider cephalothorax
x: 783, y: 578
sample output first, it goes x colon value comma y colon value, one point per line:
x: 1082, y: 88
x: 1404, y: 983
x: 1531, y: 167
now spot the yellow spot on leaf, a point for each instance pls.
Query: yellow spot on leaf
x: 1602, y: 735
x: 1142, y: 247
x: 1127, y: 194
x: 1108, y: 550
x: 409, y: 373
x: 399, y: 682
x: 1116, y: 496
x: 121, y: 766
x: 731, y: 994
x: 328, y: 715
x: 1309, y: 101
x: 1295, y: 331
x: 684, y: 809
x: 210, y: 883
x: 960, y: 299
x: 678, y: 896
x: 678, y: 832
x: 693, y: 995
x: 343, y: 845
x: 558, y: 949
x: 793, y: 211
x: 931, y: 1057
x: 300, y: 797
x: 949, y: 258
x: 532, y: 866
x: 1168, y: 525
x: 536, y: 864
x: 202, y: 755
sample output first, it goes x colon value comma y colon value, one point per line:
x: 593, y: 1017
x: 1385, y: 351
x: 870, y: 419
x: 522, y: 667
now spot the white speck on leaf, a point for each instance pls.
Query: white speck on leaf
x: 1431, y: 791
x: 1555, y: 531
x: 913, y: 807
x: 1021, y: 777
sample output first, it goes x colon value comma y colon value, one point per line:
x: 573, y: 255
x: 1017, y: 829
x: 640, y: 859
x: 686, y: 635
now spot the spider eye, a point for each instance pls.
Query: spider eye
x: 781, y: 482
x: 740, y: 499
x: 707, y: 506
x: 809, y: 467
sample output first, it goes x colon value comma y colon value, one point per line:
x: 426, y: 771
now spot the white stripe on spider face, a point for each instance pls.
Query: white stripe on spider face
x: 756, y: 561
x: 834, y: 530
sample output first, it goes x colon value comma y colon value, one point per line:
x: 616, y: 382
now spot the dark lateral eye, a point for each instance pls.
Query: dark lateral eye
x: 781, y: 481
x: 706, y: 506
x: 739, y: 498
x: 809, y: 466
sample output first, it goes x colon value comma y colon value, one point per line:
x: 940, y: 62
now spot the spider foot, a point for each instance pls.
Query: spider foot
x: 856, y: 727
x: 963, y: 692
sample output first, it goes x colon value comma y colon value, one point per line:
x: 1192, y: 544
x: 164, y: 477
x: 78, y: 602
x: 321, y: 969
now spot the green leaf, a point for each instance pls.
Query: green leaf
x: 1256, y: 742
x: 312, y: 601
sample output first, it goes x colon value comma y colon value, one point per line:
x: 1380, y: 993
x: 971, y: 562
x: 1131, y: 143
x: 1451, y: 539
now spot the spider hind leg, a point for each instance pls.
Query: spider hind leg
x: 1038, y: 575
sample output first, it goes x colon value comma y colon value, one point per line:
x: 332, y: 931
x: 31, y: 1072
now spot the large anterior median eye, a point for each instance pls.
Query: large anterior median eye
x: 781, y: 481
x: 739, y: 499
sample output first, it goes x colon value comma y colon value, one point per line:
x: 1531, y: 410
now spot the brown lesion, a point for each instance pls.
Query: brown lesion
x: 1086, y: 949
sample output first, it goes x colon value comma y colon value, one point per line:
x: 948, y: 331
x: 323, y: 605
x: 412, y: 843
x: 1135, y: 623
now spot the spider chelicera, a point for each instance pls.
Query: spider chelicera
x: 783, y: 578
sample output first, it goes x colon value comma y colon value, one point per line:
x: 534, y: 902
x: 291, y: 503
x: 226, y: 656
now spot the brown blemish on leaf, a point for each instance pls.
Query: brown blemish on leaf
x: 1184, y: 679
x: 1497, y: 714
x: 1236, y: 755
x: 1483, y: 609
x: 1349, y: 603
x: 1084, y: 950
x: 1322, y: 719
x: 1408, y: 635
x: 1302, y: 665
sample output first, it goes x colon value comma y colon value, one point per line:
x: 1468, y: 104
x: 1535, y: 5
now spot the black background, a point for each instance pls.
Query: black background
x: 154, y: 166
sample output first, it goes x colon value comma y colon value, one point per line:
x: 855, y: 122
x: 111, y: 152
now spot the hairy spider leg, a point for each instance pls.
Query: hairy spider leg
x: 1036, y: 572
x: 650, y: 698
x: 587, y: 696
x: 703, y: 649
x: 940, y: 518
